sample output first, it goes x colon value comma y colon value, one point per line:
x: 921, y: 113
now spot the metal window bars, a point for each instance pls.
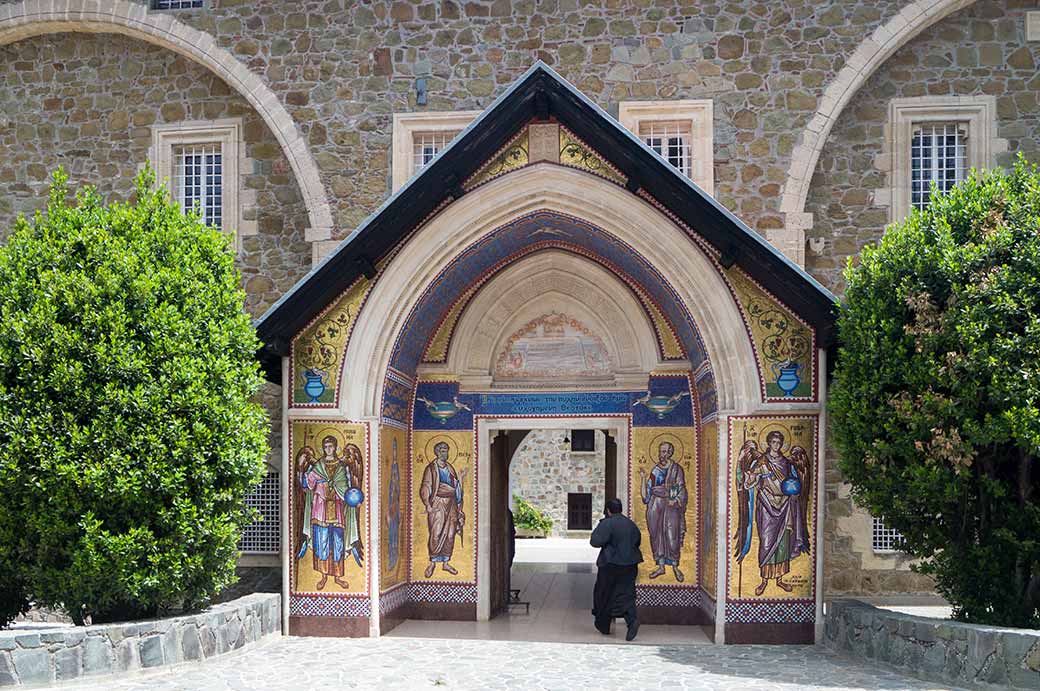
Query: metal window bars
x: 426, y: 145
x: 199, y: 181
x: 939, y: 154
x: 264, y: 536
x: 885, y: 539
x: 672, y: 140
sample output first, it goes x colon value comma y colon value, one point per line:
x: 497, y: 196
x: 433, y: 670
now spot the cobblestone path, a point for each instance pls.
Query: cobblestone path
x: 409, y: 663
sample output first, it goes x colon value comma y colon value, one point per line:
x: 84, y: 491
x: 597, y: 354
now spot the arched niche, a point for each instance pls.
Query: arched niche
x: 553, y: 282
x: 680, y: 263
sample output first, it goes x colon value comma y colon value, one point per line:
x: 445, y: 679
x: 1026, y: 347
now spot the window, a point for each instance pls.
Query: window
x: 175, y: 4
x: 680, y: 131
x: 938, y: 153
x: 264, y: 536
x: 426, y: 145
x: 885, y: 539
x: 579, y: 511
x: 583, y: 440
x: 671, y: 140
x: 198, y: 181
x: 419, y: 137
x: 200, y: 162
x: 935, y: 139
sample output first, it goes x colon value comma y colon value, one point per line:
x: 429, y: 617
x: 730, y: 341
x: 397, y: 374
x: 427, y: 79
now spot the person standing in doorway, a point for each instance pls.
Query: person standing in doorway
x: 614, y: 595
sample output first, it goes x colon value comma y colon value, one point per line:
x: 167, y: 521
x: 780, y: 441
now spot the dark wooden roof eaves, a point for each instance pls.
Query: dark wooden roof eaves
x: 540, y: 92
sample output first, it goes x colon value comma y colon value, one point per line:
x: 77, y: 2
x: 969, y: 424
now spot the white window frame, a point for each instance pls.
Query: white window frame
x: 978, y: 114
x: 698, y: 114
x: 228, y: 134
x: 407, y: 125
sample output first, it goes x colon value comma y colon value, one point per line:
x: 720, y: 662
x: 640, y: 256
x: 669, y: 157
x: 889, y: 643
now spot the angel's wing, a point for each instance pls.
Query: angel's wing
x: 749, y: 454
x: 800, y: 459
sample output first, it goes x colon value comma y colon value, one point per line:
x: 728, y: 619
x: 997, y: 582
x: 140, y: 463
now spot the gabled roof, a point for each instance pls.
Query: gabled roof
x: 540, y: 93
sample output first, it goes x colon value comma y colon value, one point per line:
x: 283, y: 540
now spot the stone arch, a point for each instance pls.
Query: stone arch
x: 694, y: 277
x: 28, y: 18
x: 558, y: 281
x: 871, y: 53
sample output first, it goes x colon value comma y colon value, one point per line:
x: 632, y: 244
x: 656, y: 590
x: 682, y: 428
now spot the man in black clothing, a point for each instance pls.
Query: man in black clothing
x: 615, y: 593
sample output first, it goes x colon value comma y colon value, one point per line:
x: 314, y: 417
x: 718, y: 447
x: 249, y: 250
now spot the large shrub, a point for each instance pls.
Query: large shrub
x: 128, y: 432
x: 935, y: 403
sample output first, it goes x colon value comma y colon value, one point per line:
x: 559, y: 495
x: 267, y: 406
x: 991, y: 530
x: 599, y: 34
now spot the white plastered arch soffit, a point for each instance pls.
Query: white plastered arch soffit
x: 871, y: 53
x: 553, y: 281
x: 29, y: 18
x: 690, y: 273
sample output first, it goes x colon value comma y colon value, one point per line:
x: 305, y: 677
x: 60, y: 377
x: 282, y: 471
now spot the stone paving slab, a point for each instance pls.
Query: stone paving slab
x: 389, y: 663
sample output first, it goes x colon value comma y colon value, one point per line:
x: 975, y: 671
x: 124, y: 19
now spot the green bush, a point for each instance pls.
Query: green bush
x: 530, y: 518
x: 129, y: 436
x: 935, y: 408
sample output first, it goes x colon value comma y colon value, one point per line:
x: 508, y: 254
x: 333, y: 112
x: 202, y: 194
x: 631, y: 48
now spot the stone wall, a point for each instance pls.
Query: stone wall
x: 87, y: 102
x: 544, y: 470
x: 981, y: 50
x: 33, y: 657
x: 342, y: 70
x: 978, y: 51
x: 936, y: 649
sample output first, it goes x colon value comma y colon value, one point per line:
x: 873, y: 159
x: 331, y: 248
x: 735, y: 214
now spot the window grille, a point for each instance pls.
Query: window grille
x: 175, y: 4
x: 199, y: 177
x: 885, y: 539
x: 671, y: 140
x: 939, y: 154
x: 264, y: 536
x: 426, y: 145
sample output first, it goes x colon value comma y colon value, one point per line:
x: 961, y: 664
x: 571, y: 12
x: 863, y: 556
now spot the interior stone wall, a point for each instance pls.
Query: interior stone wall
x: 544, y: 470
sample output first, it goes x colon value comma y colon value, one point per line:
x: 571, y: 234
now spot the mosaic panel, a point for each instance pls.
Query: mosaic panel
x: 317, y: 352
x: 397, y: 397
x: 443, y: 492
x: 784, y: 345
x: 304, y: 606
x: 772, y: 507
x: 663, y: 482
x: 667, y: 597
x: 394, y: 598
x: 782, y: 612
x: 709, y: 455
x: 393, y: 501
x: 328, y: 520
x: 459, y: 593
x: 552, y: 346
x: 512, y: 156
x: 541, y: 229
x: 575, y: 153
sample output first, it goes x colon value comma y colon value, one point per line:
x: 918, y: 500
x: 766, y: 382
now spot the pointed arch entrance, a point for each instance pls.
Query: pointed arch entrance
x: 547, y: 265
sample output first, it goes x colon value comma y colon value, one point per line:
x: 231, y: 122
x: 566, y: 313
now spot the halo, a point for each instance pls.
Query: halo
x: 341, y: 441
x: 453, y: 447
x: 675, y: 441
x: 775, y: 427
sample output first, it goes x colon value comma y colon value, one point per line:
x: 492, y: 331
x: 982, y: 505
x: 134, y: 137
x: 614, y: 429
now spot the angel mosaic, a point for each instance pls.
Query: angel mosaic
x: 774, y: 488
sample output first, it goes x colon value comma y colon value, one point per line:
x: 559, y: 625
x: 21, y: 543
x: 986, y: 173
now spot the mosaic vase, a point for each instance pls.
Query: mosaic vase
x: 314, y: 386
x: 788, y: 380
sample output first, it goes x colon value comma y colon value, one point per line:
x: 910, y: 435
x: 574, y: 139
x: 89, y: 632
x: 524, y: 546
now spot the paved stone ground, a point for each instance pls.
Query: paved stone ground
x: 401, y: 663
